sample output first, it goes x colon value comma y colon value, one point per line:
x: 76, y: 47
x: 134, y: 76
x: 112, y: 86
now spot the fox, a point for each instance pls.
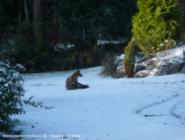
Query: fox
x: 72, y: 81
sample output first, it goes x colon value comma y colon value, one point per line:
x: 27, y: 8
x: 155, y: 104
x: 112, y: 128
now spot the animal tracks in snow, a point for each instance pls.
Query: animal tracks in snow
x: 178, y: 110
x: 156, y: 103
x: 48, y: 84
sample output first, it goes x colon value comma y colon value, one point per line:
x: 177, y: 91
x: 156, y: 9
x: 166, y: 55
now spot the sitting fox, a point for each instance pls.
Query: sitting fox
x: 72, y: 81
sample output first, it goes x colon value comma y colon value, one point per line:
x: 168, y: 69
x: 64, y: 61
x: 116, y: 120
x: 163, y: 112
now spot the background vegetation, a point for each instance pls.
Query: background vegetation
x: 156, y: 21
x: 156, y: 26
x: 36, y: 33
x: 47, y: 35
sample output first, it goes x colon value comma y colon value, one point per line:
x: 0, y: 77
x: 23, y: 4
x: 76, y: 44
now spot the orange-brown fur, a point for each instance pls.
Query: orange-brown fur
x: 72, y: 81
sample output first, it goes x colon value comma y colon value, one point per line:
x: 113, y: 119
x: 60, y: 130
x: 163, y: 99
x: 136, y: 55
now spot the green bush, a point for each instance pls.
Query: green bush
x: 11, y: 100
x: 167, y: 44
x: 155, y: 21
x: 11, y: 92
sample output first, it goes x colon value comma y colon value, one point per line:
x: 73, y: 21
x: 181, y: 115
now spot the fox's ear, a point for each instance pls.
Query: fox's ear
x: 78, y: 71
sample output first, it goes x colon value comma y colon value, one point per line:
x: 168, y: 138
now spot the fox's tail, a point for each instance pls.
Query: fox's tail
x: 79, y: 85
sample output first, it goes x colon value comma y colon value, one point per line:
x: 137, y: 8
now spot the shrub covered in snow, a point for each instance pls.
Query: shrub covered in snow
x: 11, y: 92
x: 11, y: 99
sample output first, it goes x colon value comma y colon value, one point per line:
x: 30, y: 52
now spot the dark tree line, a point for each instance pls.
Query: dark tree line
x: 36, y: 26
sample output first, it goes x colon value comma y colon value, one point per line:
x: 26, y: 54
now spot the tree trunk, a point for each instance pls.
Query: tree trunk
x: 37, y: 22
x: 182, y: 4
x: 55, y: 28
x: 27, y: 19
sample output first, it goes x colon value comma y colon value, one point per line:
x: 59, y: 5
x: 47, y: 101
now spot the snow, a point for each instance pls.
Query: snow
x: 172, y: 53
x: 150, y: 108
x: 119, y: 59
x: 63, y: 46
x: 109, y: 42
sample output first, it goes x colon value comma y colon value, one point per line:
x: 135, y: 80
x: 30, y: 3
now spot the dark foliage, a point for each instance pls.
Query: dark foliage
x: 30, y: 31
x: 11, y: 100
x: 11, y: 93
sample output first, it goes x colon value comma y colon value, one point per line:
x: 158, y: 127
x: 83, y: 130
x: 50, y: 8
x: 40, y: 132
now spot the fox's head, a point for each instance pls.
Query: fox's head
x: 78, y: 74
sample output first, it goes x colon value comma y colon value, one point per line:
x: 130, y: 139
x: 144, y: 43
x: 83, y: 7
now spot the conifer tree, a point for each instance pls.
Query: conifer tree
x: 155, y: 21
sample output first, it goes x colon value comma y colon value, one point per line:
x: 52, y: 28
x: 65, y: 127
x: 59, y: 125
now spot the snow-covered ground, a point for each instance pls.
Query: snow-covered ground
x: 151, y: 108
